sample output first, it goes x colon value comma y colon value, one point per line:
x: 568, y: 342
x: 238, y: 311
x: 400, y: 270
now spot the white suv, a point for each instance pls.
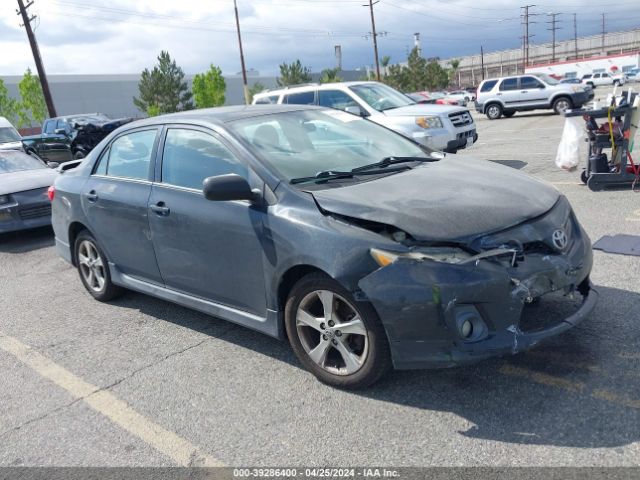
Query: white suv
x: 438, y: 127
x: 603, y: 78
x: 507, y: 95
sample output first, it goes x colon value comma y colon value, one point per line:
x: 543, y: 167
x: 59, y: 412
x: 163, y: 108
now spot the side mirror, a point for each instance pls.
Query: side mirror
x: 53, y: 164
x: 354, y: 111
x: 60, y: 131
x: 224, y: 188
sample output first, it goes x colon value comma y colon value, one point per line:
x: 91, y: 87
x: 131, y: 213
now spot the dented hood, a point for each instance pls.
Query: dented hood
x: 449, y: 200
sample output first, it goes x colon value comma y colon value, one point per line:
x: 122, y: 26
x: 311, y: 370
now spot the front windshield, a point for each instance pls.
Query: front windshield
x: 305, y: 142
x: 9, y: 134
x: 15, y: 161
x: 381, y: 97
x: 547, y: 79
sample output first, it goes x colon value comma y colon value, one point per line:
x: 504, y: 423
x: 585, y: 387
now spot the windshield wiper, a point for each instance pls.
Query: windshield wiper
x: 385, y: 162
x: 334, y: 174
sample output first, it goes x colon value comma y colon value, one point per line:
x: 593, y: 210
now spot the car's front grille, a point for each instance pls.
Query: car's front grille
x: 35, y: 212
x: 460, y: 119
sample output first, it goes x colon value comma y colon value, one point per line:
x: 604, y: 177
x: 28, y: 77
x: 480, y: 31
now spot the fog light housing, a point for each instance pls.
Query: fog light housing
x: 468, y: 323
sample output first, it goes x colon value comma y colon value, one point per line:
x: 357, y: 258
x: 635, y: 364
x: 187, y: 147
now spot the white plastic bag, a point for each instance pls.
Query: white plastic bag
x: 568, y: 156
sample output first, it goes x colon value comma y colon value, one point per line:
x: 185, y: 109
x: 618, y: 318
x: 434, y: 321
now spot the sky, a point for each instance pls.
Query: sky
x: 126, y: 36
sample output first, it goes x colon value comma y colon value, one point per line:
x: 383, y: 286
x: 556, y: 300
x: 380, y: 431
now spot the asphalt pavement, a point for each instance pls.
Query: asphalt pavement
x: 143, y: 382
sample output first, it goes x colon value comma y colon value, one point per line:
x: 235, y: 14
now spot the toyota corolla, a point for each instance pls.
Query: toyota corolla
x: 363, y: 249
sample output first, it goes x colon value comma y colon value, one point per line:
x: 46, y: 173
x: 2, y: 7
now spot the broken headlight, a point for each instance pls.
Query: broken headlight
x: 429, y: 122
x: 437, y: 254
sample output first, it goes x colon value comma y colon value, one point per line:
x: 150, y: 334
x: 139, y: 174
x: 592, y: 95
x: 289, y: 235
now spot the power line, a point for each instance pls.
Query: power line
x: 42, y: 75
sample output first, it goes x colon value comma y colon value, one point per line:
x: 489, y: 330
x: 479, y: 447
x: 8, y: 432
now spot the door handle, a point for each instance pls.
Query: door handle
x: 498, y: 94
x: 161, y: 209
x: 92, y: 196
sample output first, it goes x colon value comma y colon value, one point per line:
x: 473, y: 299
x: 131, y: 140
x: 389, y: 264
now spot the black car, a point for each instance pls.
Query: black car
x: 362, y: 248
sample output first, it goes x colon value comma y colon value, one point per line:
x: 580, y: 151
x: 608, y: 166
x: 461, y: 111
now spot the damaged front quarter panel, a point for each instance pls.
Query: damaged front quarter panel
x: 424, y: 305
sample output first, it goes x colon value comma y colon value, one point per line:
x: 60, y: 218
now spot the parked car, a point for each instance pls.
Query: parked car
x: 9, y: 137
x: 573, y: 81
x: 507, y: 95
x: 71, y: 137
x: 24, y: 181
x: 462, y: 96
x: 604, y: 78
x: 323, y: 228
x: 633, y: 75
x: 439, y: 127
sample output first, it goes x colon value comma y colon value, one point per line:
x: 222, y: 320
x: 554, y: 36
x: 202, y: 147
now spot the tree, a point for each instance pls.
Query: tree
x: 255, y: 88
x: 293, y: 74
x: 32, y: 108
x: 163, y: 89
x: 208, y: 88
x: 9, y: 107
x: 417, y: 75
x: 330, y: 75
x: 455, y: 64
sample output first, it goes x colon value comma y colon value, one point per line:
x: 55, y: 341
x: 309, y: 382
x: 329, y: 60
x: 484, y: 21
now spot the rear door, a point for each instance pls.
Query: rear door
x: 115, y: 200
x: 509, y: 93
x: 212, y: 250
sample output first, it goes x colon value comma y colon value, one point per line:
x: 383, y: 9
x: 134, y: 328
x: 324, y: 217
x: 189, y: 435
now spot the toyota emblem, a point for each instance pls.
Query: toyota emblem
x: 559, y: 239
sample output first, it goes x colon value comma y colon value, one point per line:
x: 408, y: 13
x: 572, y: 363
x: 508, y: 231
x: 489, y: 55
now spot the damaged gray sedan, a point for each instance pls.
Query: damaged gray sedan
x: 360, y: 247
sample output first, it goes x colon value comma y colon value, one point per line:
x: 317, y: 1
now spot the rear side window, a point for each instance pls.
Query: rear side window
x: 303, y: 98
x: 509, y: 84
x: 586, y: 76
x: 190, y: 156
x: 129, y: 155
x: 49, y: 126
x: 488, y: 85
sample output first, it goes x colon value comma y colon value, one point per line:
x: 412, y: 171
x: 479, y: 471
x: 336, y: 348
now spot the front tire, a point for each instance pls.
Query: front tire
x: 93, y: 268
x: 341, y: 341
x: 561, y: 105
x: 494, y: 111
x: 509, y: 113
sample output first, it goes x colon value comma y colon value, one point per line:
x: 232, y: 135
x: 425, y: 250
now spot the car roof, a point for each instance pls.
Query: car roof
x: 221, y: 115
x: 312, y: 86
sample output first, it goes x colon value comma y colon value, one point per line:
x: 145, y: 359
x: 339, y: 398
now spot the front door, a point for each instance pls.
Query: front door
x: 208, y: 249
x: 533, y: 92
x: 115, y: 199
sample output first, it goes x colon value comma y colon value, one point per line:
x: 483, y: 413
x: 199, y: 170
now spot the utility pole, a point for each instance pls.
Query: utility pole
x: 42, y: 75
x: 603, y: 32
x: 526, y: 37
x: 244, y: 69
x: 375, y: 37
x: 482, y: 60
x: 553, y: 29
x: 575, y: 35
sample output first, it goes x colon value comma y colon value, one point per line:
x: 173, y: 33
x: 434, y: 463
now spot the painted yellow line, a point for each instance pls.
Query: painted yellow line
x: 542, y: 378
x: 568, y: 385
x: 119, y: 412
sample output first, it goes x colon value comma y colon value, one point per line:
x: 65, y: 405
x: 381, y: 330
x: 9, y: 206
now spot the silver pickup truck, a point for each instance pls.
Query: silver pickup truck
x: 439, y: 127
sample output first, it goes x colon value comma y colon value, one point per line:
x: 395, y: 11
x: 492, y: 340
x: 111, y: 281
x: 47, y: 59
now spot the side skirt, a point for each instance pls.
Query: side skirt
x: 269, y: 325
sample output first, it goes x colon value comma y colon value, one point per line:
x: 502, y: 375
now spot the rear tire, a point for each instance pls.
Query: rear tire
x: 338, y: 339
x: 93, y: 268
x: 493, y: 111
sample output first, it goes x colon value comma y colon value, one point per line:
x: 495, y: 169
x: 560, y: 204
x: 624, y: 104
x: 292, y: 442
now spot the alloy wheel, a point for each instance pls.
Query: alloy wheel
x: 91, y: 266
x: 332, y: 333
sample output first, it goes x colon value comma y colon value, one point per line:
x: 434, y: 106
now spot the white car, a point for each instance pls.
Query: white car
x: 462, y: 96
x: 633, y: 75
x: 439, y: 127
x: 596, y: 79
x: 10, y: 139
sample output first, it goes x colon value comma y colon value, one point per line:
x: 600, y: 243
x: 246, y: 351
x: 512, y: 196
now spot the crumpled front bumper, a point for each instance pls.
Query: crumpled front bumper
x: 421, y: 303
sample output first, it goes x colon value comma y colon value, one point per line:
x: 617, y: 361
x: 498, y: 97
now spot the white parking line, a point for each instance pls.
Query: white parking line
x: 118, y: 411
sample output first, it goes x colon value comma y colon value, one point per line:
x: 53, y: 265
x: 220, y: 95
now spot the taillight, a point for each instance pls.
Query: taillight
x: 51, y: 193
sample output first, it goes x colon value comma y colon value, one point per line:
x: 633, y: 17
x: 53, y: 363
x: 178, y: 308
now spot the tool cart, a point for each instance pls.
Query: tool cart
x: 609, y: 161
